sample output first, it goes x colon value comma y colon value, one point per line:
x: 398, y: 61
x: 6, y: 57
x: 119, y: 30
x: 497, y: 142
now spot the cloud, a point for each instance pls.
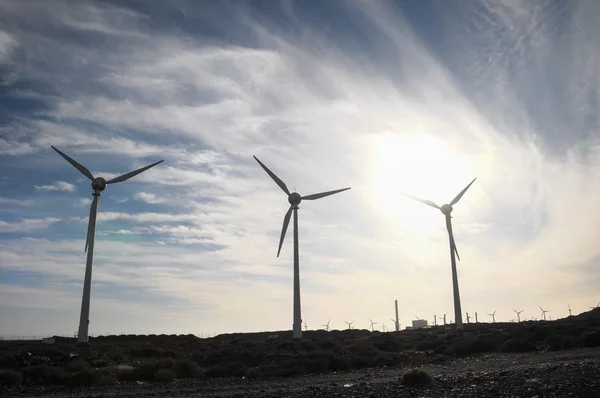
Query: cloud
x: 149, y: 198
x: 85, y: 202
x: 27, y: 224
x: 57, y: 186
x: 17, y: 202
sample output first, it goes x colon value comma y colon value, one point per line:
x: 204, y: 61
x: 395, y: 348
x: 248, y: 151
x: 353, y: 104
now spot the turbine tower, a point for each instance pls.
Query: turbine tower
x: 468, y: 318
x: 294, y: 200
x: 569, y: 305
x: 518, y: 315
x: 543, y: 312
x: 493, y: 315
x: 447, y: 211
x: 396, y: 321
x: 372, y: 324
x: 326, y: 326
x: 349, y: 324
x: 98, y: 185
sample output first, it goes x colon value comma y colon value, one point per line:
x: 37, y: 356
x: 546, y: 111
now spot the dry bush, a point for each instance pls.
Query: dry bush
x: 416, y: 377
x: 10, y: 377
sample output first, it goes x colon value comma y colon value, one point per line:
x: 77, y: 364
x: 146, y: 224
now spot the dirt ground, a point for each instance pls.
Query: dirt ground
x: 572, y: 373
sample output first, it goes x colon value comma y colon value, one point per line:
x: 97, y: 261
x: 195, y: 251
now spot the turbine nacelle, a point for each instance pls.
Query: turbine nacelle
x: 99, y: 184
x: 294, y: 198
x: 446, y: 209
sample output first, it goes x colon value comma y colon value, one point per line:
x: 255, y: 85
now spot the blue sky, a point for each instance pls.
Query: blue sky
x: 419, y: 97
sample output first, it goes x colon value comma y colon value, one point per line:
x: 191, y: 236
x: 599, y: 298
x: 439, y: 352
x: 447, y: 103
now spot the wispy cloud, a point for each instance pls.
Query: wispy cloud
x: 149, y: 198
x: 57, y: 186
x: 27, y: 224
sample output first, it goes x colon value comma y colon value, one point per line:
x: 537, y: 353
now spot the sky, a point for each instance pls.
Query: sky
x: 382, y: 96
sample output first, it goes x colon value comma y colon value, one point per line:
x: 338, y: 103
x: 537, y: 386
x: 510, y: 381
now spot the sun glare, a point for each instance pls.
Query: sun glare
x: 418, y: 164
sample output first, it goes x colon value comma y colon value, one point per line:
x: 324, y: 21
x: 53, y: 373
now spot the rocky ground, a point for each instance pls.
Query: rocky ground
x: 570, y: 373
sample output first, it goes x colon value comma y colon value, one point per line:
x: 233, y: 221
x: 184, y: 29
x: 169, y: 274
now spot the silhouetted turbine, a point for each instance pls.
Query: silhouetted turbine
x: 98, y: 185
x: 447, y: 210
x: 518, y: 315
x: 294, y: 200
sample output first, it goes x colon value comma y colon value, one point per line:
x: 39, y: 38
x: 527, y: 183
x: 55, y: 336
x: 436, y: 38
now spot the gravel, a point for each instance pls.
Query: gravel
x: 574, y: 373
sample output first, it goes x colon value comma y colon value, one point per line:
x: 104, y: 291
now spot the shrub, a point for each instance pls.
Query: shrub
x: 517, y: 345
x: 554, y: 342
x: 76, y: 365
x: 164, y: 375
x: 45, y: 374
x: 253, y: 373
x: 475, y: 346
x: 146, y: 352
x: 416, y: 377
x: 146, y: 372
x: 591, y: 338
x: 85, y: 377
x: 10, y: 377
x: 444, y: 349
x: 187, y: 369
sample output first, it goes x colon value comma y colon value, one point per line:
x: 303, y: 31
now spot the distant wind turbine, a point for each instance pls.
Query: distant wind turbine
x: 493, y: 315
x: 569, y: 305
x: 326, y: 326
x: 468, y: 318
x: 98, y: 185
x: 349, y: 324
x: 518, y: 315
x: 383, y: 327
x: 372, y: 324
x: 597, y: 306
x: 543, y: 312
x: 294, y: 200
x: 447, y: 210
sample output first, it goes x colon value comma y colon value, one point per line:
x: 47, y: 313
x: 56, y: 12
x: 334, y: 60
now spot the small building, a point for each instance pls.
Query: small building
x: 419, y: 324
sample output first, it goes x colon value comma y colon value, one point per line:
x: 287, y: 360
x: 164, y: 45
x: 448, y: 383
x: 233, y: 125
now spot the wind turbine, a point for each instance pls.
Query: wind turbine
x: 349, y: 324
x: 98, y: 185
x: 543, y: 311
x: 447, y: 210
x: 383, y: 327
x: 597, y: 306
x: 569, y: 309
x: 372, y: 324
x: 493, y: 315
x: 294, y: 200
x: 518, y: 315
x: 468, y: 318
x: 444, y: 319
x: 326, y: 326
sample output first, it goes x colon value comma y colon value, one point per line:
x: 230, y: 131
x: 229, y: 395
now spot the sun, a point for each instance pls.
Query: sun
x: 419, y: 164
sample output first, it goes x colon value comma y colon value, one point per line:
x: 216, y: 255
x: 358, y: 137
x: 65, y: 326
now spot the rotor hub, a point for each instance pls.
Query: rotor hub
x: 294, y: 198
x: 446, y: 209
x: 99, y: 184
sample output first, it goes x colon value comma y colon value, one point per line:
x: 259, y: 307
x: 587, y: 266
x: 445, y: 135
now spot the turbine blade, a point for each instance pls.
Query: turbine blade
x: 323, y: 194
x: 273, y: 176
x: 286, y: 222
x: 455, y: 200
x: 127, y: 176
x: 93, y: 210
x: 82, y: 169
x: 453, y: 243
x: 427, y: 202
